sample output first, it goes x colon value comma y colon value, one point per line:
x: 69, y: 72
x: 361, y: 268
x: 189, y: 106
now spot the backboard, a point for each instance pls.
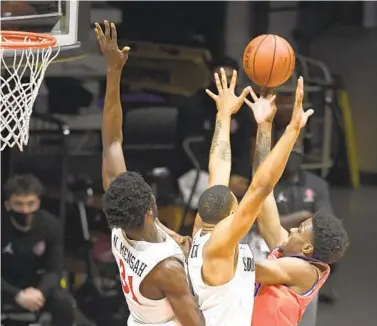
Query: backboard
x: 26, y: 56
x: 67, y: 21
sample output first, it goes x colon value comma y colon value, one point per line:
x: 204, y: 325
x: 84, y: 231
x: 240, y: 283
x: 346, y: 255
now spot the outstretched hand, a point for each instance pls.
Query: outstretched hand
x: 299, y: 117
x: 226, y: 101
x: 108, y: 43
x: 263, y: 108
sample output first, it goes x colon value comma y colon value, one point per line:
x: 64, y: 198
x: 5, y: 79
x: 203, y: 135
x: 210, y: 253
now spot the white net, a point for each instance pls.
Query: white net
x: 22, y: 72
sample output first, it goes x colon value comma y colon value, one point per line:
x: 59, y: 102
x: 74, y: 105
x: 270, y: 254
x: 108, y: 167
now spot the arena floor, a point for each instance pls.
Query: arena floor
x: 355, y: 281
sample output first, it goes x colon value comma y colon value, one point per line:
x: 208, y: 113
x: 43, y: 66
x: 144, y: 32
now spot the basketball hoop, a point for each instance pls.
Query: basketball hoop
x: 23, y: 54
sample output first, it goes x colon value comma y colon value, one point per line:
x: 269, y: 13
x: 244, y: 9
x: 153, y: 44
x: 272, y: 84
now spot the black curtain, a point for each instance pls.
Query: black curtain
x: 174, y: 22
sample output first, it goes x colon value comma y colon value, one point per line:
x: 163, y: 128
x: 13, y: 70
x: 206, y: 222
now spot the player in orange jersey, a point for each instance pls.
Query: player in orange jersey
x: 298, y: 263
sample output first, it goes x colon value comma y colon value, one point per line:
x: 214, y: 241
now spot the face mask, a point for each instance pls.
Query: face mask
x: 293, y: 164
x: 20, y: 218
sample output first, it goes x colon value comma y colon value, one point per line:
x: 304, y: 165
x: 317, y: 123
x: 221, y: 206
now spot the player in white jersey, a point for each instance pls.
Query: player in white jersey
x: 220, y: 269
x: 151, y: 263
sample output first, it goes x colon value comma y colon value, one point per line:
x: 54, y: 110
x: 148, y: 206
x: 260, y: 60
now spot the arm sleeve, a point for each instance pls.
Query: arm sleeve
x: 8, y: 289
x: 54, y: 258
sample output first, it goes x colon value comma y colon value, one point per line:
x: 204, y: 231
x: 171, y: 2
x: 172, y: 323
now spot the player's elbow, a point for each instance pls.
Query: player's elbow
x: 262, y: 188
x: 269, y: 273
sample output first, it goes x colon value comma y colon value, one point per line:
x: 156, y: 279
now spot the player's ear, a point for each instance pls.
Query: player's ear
x: 150, y: 215
x: 307, y: 249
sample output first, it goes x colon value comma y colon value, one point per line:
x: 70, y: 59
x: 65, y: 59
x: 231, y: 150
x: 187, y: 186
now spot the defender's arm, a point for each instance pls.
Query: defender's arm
x: 268, y: 221
x: 220, y: 155
x: 113, y: 162
x: 286, y: 271
x: 220, y: 158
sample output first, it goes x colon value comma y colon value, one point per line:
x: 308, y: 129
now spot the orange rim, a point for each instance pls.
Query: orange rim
x: 25, y: 40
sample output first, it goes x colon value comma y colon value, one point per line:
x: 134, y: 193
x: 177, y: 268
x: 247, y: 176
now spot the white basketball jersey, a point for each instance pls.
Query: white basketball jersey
x: 230, y: 304
x: 135, y: 261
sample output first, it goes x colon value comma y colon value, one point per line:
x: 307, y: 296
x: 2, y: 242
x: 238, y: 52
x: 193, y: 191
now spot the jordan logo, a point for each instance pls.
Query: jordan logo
x: 281, y: 198
x: 8, y: 249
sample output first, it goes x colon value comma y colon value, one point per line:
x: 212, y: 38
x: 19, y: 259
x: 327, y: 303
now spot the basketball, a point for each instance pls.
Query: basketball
x: 269, y: 60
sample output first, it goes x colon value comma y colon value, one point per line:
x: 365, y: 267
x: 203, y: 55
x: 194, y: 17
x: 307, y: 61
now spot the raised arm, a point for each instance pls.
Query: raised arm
x: 220, y: 156
x: 113, y: 162
x: 268, y: 221
x: 233, y: 228
x: 288, y: 271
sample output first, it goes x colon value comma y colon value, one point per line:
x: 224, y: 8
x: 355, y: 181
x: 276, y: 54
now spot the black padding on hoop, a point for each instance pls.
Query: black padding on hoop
x: 33, y: 24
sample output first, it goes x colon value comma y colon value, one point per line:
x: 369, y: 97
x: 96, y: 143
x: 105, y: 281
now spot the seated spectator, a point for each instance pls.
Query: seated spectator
x: 299, y: 193
x: 32, y: 253
x: 197, y: 118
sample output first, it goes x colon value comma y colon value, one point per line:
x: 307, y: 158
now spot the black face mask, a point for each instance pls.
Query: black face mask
x: 293, y: 164
x: 20, y: 218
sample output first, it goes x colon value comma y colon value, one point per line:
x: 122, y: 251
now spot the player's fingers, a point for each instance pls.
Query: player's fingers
x: 107, y: 30
x: 249, y: 103
x: 233, y: 82
x: 272, y: 98
x: 126, y: 49
x: 99, y: 32
x: 244, y: 93
x: 309, y: 113
x: 270, y: 92
x: 224, y: 81
x: 211, y: 95
x: 97, y: 35
x: 253, y: 95
x: 114, y: 35
x: 98, y: 27
x: 99, y: 40
x: 299, y: 94
x: 218, y: 84
x: 298, y: 89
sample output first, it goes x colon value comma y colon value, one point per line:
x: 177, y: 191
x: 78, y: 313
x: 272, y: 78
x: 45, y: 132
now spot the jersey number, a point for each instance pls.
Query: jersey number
x: 127, y: 282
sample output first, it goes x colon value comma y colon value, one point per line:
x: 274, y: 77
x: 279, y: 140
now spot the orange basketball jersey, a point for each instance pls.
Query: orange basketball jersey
x: 278, y: 305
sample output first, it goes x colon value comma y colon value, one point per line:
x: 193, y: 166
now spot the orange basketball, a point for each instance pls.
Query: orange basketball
x: 269, y: 60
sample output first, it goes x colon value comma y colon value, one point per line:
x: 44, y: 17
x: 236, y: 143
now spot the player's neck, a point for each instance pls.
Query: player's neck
x: 146, y: 234
x: 207, y: 227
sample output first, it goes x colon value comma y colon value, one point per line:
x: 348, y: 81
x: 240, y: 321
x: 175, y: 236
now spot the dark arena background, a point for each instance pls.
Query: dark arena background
x: 174, y: 46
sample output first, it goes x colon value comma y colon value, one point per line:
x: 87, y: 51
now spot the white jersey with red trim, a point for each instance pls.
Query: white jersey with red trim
x: 136, y: 259
x: 230, y: 304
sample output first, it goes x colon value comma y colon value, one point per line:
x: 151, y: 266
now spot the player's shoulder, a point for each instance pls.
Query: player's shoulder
x: 166, y: 269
